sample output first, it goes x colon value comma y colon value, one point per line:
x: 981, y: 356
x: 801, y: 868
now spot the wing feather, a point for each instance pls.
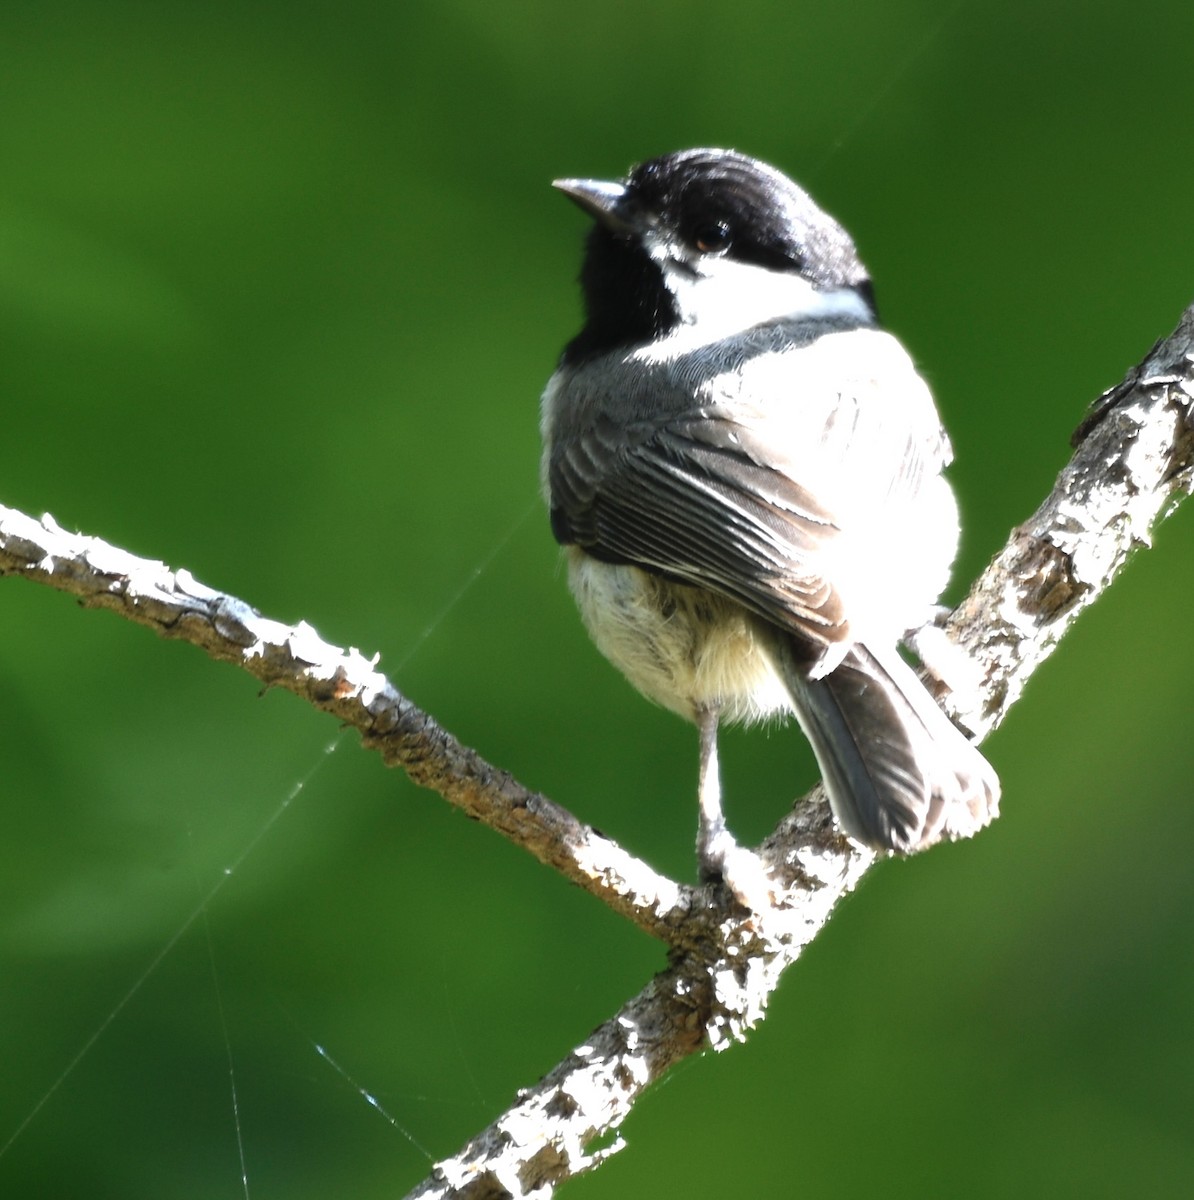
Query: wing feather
x: 746, y: 480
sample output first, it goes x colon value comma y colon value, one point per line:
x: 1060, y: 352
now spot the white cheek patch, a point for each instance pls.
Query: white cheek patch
x: 720, y: 296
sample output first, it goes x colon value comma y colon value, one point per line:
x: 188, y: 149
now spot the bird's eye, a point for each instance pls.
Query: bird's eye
x: 712, y: 238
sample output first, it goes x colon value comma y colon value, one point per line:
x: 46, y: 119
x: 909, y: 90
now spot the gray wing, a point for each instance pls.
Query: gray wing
x: 751, y: 498
x: 688, y: 500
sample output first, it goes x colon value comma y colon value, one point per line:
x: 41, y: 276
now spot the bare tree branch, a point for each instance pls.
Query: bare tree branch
x: 1134, y: 457
x: 1133, y: 460
x: 346, y: 684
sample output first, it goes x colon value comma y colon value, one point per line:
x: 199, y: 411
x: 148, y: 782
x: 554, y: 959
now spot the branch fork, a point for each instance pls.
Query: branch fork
x: 1133, y: 460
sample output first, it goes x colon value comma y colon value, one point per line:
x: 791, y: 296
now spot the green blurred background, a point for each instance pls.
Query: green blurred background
x: 279, y: 288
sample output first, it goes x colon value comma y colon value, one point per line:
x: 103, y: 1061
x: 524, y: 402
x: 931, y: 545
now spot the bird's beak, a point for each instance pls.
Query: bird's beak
x: 601, y: 200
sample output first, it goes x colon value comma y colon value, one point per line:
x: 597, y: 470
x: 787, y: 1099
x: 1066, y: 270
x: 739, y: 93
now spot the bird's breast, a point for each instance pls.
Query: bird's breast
x: 683, y: 647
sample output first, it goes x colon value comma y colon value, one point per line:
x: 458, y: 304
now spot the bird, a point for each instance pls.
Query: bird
x: 745, y: 472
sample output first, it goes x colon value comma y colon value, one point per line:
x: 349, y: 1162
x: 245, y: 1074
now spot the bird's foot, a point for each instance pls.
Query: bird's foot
x: 739, y: 868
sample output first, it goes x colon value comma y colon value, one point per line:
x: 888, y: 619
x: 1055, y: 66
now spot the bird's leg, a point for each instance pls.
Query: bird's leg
x: 718, y: 855
x: 713, y: 838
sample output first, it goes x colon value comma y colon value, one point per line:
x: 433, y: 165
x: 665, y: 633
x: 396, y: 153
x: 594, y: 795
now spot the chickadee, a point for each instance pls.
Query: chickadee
x: 746, y: 475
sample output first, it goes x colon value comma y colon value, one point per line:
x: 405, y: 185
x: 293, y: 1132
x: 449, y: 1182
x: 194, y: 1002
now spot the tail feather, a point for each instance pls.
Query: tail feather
x: 899, y: 774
